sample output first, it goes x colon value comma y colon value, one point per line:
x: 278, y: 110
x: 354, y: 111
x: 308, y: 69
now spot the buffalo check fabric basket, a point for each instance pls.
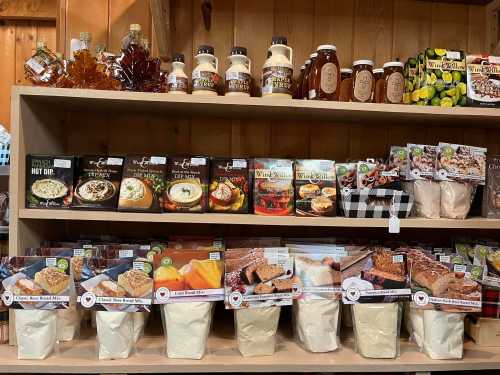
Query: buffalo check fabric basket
x: 376, y: 203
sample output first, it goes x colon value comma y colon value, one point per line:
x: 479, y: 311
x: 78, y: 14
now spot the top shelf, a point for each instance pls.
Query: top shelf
x: 244, y: 107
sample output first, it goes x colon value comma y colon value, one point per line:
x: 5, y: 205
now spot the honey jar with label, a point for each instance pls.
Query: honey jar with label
x: 394, y: 82
x: 345, y: 92
x: 362, y: 81
x: 324, y: 80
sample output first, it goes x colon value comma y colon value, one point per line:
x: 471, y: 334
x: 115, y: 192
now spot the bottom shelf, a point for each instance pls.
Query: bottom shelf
x: 80, y: 356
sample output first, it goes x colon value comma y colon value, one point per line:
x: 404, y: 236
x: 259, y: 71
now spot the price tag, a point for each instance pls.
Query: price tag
x: 145, y: 247
x: 239, y: 163
x: 394, y: 224
x: 214, y: 256
x: 460, y: 268
x: 114, y: 161
x: 172, y: 78
x: 445, y: 259
x: 198, y: 161
x: 78, y: 252
x: 50, y: 262
x: 87, y: 246
x: 312, y: 94
x: 454, y: 55
x: 62, y: 163
x: 128, y: 253
x: 138, y: 266
x: 397, y: 258
x: 161, y: 160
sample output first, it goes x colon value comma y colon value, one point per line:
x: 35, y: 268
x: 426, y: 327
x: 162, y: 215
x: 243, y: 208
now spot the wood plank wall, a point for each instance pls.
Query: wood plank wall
x: 17, y: 43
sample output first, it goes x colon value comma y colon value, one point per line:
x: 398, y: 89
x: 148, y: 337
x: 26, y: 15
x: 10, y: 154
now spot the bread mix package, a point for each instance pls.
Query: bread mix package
x: 317, y: 291
x: 315, y: 188
x: 421, y: 163
x: 444, y: 286
x: 49, y: 181
x: 375, y: 275
x: 460, y: 163
x: 373, y: 174
x: 491, y: 193
x: 346, y: 175
x: 186, y: 184
x: 398, y: 158
x: 97, y: 182
x: 273, y: 187
x: 229, y: 187
x: 142, y: 185
x: 187, y: 283
x: 483, y: 81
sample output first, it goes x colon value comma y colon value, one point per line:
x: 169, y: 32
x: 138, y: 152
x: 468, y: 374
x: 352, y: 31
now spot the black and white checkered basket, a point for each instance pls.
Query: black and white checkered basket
x: 375, y: 203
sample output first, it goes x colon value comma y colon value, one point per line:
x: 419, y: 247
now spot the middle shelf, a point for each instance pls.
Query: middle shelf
x: 248, y: 219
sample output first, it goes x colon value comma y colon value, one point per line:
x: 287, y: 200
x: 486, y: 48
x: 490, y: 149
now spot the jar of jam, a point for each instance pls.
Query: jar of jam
x: 362, y: 81
x: 324, y: 81
x: 345, y: 92
x: 394, y: 82
x: 378, y: 92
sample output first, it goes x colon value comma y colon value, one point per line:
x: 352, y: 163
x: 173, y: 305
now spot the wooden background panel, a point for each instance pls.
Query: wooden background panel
x: 449, y: 26
x: 7, y: 68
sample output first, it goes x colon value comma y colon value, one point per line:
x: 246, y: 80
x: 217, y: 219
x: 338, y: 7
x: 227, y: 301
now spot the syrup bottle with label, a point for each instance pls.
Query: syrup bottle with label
x: 177, y: 80
x: 43, y: 68
x: 277, y: 71
x: 205, y: 76
x: 238, y: 75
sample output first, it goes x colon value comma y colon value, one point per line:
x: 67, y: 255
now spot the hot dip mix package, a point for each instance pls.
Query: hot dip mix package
x: 98, y: 182
x: 229, y: 186
x: 143, y: 182
x: 187, y: 182
x: 315, y: 188
x: 273, y: 187
x: 49, y: 181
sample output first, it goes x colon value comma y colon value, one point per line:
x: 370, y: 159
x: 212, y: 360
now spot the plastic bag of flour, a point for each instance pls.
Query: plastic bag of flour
x: 376, y: 329
x: 416, y: 323
x: 316, y: 324
x: 443, y: 334
x: 115, y: 334
x: 68, y: 323
x: 427, y: 195
x: 456, y: 199
x: 36, y: 332
x: 256, y: 330
x: 187, y: 328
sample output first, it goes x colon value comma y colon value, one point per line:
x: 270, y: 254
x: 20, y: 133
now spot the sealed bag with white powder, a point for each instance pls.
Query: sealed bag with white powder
x: 68, y: 323
x: 316, y: 324
x: 256, y: 330
x: 376, y: 329
x: 187, y: 327
x: 115, y: 334
x: 427, y: 198
x: 36, y: 333
x: 456, y: 199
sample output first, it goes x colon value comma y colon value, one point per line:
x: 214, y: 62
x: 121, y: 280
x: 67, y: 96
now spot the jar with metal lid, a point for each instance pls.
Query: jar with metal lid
x: 238, y: 75
x: 324, y: 81
x: 394, y: 82
x: 362, y: 81
x: 205, y: 76
x: 307, y: 75
x: 378, y: 92
x: 345, y: 92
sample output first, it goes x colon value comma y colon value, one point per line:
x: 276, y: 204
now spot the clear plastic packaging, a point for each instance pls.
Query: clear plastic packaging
x: 316, y: 324
x: 456, y: 199
x: 36, y: 333
x: 427, y: 198
x: 187, y: 326
x: 115, y: 334
x: 376, y: 329
x: 68, y: 323
x: 256, y: 330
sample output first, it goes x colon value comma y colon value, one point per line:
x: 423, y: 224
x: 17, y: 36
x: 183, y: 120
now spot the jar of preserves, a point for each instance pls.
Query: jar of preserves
x: 277, y: 71
x: 362, y: 81
x: 378, y: 92
x: 394, y: 82
x: 238, y: 75
x: 325, y: 77
x: 307, y: 75
x: 205, y: 76
x: 345, y: 92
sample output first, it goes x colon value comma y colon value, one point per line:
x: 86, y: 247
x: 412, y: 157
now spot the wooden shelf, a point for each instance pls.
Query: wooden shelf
x: 234, y: 107
x: 80, y: 357
x: 248, y: 219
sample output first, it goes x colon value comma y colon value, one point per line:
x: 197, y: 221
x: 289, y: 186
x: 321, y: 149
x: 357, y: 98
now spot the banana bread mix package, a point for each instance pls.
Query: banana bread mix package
x: 483, y: 80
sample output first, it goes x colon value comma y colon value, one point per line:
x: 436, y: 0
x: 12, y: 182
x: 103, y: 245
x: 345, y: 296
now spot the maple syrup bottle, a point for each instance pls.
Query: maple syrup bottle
x: 43, y: 68
x: 205, y: 76
x: 134, y: 36
x: 177, y: 80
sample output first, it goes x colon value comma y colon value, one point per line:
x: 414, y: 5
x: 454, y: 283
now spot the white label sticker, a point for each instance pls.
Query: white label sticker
x: 145, y: 247
x: 394, y: 225
x: 239, y: 163
x: 445, y: 259
x: 232, y: 75
x: 198, y: 161
x: 172, y: 78
x: 138, y: 266
x: 78, y: 252
x: 494, y: 59
x: 397, y: 258
x: 214, y: 256
x: 114, y: 161
x: 455, y: 55
x: 50, y: 262
x: 459, y: 268
x: 62, y: 163
x: 35, y: 65
x: 159, y: 160
x: 87, y: 246
x: 125, y: 253
x: 312, y: 94
x: 196, y: 74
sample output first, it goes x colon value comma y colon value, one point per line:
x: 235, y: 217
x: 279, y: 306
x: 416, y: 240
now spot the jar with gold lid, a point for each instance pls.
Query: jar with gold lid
x: 324, y: 81
x: 394, y: 82
x: 362, y: 81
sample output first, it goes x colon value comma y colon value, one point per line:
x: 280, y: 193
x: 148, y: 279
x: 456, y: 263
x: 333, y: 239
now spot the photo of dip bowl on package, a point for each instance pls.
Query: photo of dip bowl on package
x: 93, y: 191
x: 185, y: 193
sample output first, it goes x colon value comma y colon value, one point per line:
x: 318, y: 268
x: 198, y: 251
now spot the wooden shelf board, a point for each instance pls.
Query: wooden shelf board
x: 248, y: 219
x: 241, y: 107
x: 80, y: 357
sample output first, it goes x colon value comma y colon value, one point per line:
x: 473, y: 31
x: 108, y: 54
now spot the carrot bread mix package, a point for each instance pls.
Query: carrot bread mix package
x: 186, y: 283
x: 315, y: 188
x: 49, y: 181
x: 317, y: 290
x: 229, y: 186
x: 273, y: 187
x: 35, y: 286
x: 187, y: 184
x: 143, y: 182
x: 257, y: 282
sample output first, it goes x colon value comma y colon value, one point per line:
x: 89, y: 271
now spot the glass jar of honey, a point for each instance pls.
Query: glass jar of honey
x: 378, y: 92
x: 324, y: 81
x: 345, y: 92
x: 394, y: 82
x: 362, y: 81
